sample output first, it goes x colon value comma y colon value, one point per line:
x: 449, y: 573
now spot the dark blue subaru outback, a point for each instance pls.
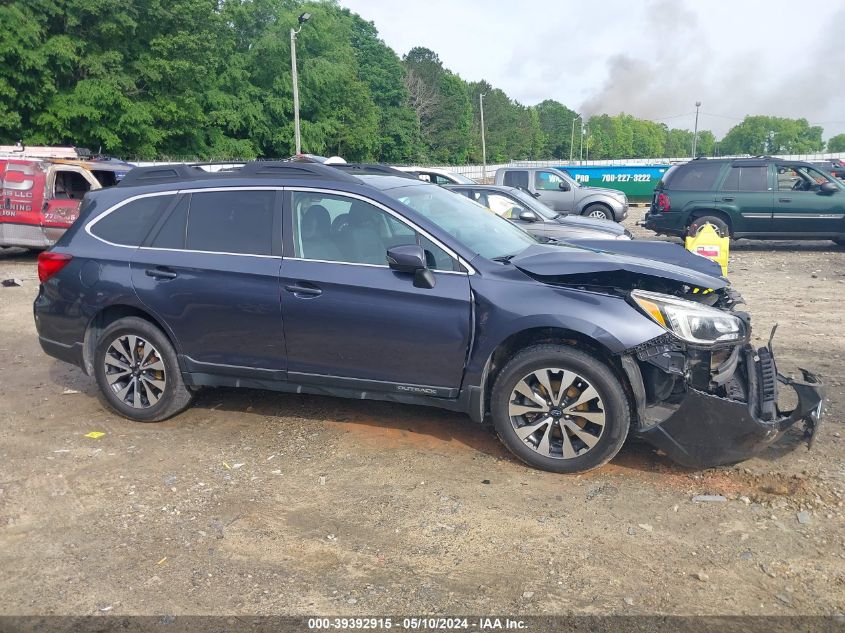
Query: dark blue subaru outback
x: 304, y: 278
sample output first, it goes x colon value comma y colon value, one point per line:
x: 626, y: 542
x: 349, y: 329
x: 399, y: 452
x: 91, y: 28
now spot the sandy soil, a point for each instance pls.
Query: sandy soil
x: 266, y: 503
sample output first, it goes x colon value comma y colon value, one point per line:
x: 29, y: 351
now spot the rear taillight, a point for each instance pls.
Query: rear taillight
x: 51, y: 263
x: 662, y: 203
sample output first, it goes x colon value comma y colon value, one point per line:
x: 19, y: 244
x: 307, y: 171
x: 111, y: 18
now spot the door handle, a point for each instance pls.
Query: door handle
x: 160, y: 273
x: 728, y: 198
x: 784, y: 199
x: 303, y: 290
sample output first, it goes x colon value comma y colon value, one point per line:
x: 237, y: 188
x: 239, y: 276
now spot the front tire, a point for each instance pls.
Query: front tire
x: 598, y: 211
x: 138, y: 373
x: 559, y: 409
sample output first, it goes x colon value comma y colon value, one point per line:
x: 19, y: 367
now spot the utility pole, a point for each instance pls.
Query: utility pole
x: 581, y: 148
x: 695, y: 133
x: 587, y: 157
x: 483, y: 142
x: 572, y: 137
x: 295, y: 77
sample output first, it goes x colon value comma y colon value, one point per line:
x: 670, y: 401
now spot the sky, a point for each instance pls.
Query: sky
x: 651, y: 58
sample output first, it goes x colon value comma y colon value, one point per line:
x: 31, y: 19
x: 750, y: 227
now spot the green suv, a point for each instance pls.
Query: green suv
x: 761, y: 198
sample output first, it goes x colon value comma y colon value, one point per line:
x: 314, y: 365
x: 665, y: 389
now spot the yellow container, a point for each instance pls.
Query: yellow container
x: 708, y: 244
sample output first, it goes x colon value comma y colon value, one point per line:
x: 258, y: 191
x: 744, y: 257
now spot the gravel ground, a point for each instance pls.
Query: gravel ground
x: 267, y: 503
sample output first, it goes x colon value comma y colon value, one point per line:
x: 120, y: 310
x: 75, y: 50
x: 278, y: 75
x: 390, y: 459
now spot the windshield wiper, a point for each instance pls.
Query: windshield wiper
x: 504, y: 259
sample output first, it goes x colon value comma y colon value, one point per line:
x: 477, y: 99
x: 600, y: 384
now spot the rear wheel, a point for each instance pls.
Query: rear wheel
x: 559, y: 409
x: 598, y: 211
x: 137, y: 372
x: 718, y: 223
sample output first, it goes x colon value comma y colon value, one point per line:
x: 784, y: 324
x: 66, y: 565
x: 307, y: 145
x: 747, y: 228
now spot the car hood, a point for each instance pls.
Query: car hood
x: 580, y: 222
x: 583, y: 192
x: 661, y: 260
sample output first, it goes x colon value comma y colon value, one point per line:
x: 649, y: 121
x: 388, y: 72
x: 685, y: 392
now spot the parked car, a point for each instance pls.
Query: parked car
x: 41, y: 189
x: 834, y: 166
x: 395, y: 289
x: 531, y: 215
x: 761, y: 198
x: 437, y: 176
x: 562, y: 193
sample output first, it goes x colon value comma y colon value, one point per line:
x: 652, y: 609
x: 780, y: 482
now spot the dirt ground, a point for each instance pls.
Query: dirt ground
x: 267, y: 503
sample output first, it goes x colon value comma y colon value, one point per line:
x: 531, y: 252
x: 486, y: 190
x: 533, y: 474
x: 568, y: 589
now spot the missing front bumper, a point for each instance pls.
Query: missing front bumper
x: 704, y: 430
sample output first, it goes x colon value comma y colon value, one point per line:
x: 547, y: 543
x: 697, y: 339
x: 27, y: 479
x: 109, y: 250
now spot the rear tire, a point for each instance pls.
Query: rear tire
x: 586, y: 408
x: 138, y: 373
x: 718, y: 223
x: 598, y: 211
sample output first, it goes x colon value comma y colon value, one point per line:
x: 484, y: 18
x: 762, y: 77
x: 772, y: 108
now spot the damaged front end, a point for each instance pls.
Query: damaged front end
x: 703, y: 394
x: 706, y: 404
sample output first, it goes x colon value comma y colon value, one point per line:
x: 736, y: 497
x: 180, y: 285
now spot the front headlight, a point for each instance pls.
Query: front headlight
x: 688, y: 320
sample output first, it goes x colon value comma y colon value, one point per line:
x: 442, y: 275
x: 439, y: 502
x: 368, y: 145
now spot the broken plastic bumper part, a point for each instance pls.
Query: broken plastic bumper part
x: 700, y: 429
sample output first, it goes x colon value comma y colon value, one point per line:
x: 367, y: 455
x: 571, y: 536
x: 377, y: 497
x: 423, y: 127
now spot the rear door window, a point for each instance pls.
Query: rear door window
x: 129, y: 224
x: 518, y: 179
x: 238, y: 222
x: 742, y: 178
x: 697, y: 176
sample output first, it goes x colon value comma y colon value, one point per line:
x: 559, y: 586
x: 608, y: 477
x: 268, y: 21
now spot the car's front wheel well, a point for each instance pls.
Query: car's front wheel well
x: 556, y: 336
x: 102, y: 320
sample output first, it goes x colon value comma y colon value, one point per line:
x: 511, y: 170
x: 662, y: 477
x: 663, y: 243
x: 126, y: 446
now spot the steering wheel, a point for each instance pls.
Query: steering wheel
x: 799, y: 185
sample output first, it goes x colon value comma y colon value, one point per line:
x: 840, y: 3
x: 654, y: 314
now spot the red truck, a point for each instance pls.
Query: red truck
x: 41, y: 189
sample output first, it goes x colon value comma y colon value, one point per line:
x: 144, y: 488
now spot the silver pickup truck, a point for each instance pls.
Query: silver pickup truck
x: 562, y: 193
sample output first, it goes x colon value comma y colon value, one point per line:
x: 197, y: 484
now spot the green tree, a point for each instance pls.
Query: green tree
x: 836, y: 143
x: 555, y: 121
x: 759, y: 135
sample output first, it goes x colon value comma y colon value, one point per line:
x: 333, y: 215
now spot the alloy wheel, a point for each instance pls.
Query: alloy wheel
x: 135, y: 371
x: 557, y: 413
x: 600, y: 214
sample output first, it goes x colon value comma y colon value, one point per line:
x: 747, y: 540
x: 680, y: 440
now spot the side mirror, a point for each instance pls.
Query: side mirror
x: 564, y: 186
x: 528, y: 216
x: 410, y: 258
x: 828, y: 188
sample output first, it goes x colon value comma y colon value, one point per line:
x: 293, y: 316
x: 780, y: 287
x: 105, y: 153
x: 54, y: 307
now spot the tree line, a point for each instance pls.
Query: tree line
x: 211, y: 79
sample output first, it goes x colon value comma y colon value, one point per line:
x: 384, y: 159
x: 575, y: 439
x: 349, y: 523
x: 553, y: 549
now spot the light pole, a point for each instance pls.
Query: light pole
x: 581, y: 148
x: 572, y: 136
x: 695, y: 133
x: 587, y: 152
x: 483, y: 142
x: 297, y: 139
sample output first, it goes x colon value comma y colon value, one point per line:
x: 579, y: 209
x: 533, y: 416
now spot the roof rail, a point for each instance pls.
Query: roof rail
x: 188, y: 172
x: 373, y: 169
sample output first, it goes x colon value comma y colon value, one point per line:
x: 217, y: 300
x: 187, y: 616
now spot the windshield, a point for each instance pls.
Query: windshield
x: 461, y: 179
x: 472, y: 225
x: 535, y: 205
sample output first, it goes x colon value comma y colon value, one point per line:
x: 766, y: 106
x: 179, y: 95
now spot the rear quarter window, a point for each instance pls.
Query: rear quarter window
x: 695, y: 176
x: 518, y: 179
x: 129, y: 224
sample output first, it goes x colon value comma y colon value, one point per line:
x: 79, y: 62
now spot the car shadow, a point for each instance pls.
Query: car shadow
x: 18, y: 254
x: 810, y: 246
x: 373, y: 422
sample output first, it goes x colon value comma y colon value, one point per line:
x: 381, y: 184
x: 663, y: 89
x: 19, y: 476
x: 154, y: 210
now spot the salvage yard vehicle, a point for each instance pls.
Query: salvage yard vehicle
x: 760, y: 198
x: 172, y: 280
x: 531, y: 215
x: 42, y: 188
x: 437, y: 176
x: 834, y: 166
x: 564, y: 194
